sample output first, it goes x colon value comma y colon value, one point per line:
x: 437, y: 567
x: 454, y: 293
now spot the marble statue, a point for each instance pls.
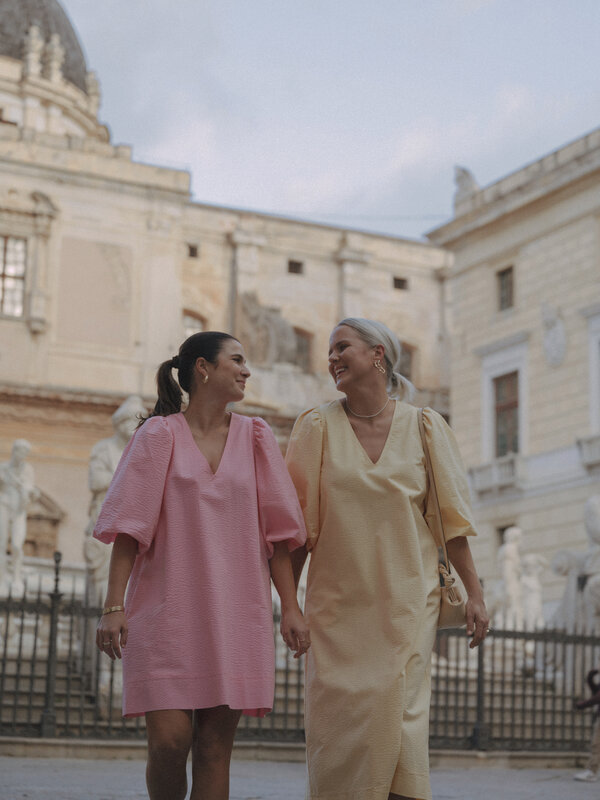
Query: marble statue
x: 17, y: 492
x: 579, y: 608
x: 509, y: 558
x: 53, y: 58
x: 103, y: 462
x: 532, y: 566
x: 465, y: 183
x: 33, y: 47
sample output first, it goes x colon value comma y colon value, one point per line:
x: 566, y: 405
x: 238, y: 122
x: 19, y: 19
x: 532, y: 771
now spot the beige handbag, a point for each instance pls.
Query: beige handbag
x: 452, y: 605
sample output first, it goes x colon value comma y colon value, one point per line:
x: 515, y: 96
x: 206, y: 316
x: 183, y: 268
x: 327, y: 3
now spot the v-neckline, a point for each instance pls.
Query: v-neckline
x: 359, y: 443
x: 200, y: 453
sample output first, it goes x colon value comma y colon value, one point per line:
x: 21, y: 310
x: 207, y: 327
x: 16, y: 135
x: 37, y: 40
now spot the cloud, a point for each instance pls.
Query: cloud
x: 473, y: 6
x: 409, y: 183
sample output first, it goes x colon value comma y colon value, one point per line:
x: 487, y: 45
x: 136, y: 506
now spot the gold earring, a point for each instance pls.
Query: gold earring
x: 205, y: 379
x: 377, y: 365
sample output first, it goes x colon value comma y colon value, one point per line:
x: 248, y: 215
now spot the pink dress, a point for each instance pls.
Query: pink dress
x: 198, y: 600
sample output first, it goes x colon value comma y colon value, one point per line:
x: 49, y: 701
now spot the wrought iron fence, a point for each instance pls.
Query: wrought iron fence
x: 515, y: 692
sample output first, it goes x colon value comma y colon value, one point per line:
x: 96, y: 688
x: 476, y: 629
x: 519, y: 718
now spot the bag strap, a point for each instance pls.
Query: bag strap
x: 433, y: 489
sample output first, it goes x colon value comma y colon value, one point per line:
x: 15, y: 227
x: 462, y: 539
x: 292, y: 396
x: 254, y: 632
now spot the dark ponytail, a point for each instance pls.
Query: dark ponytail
x: 207, y: 345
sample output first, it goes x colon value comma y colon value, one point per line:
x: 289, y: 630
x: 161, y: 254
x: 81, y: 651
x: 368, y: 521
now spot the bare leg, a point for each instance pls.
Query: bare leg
x: 169, y: 743
x: 214, y: 731
x: 5, y: 522
x: 19, y: 531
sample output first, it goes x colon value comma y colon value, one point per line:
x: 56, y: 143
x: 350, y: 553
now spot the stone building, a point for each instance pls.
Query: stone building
x: 106, y: 264
x: 525, y: 349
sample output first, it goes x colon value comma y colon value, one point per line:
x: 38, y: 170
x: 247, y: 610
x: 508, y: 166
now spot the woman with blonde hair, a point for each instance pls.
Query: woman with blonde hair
x: 373, y: 591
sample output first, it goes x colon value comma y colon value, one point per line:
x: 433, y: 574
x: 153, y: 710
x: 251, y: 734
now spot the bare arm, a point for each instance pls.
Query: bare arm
x: 293, y: 627
x: 113, y: 627
x: 298, y: 558
x: 461, y: 558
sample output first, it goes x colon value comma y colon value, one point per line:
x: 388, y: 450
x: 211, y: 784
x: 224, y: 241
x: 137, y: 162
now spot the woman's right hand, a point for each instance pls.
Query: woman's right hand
x: 295, y: 631
x: 111, y: 633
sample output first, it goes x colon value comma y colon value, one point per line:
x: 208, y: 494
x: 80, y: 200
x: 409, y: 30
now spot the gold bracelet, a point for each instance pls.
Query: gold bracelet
x: 110, y: 609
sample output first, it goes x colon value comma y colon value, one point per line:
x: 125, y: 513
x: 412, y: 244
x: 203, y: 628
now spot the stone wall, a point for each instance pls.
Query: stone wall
x: 544, y: 222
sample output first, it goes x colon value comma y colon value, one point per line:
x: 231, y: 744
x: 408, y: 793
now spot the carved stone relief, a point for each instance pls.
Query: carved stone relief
x: 267, y: 337
x: 43, y: 520
x: 555, y: 336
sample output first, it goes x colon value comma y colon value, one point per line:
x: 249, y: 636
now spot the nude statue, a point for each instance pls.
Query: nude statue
x: 17, y: 492
x: 510, y: 565
x: 532, y: 565
x: 104, y: 459
x: 579, y: 608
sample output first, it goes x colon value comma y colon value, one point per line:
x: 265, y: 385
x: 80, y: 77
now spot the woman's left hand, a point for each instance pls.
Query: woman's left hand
x: 295, y: 631
x: 478, y: 620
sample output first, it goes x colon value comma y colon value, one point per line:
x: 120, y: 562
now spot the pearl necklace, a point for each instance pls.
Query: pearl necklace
x: 367, y: 416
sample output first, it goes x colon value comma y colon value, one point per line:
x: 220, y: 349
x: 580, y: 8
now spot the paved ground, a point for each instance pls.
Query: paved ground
x: 78, y: 779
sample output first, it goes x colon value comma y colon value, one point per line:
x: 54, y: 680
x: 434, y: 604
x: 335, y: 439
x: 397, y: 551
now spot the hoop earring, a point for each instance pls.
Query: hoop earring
x: 378, y: 367
x: 205, y: 379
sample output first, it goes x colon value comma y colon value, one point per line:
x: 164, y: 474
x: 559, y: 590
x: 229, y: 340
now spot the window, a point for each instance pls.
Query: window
x: 193, y: 250
x: 192, y: 323
x: 13, y: 256
x: 303, y: 349
x: 505, y: 285
x: 295, y: 267
x: 401, y: 283
x: 506, y: 395
x: 503, y: 357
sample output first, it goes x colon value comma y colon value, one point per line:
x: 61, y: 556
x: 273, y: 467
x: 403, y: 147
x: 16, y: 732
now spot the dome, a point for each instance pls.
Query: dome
x: 17, y: 16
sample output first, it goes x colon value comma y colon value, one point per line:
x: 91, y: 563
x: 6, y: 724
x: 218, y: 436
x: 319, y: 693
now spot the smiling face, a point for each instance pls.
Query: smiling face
x: 351, y: 359
x: 230, y: 373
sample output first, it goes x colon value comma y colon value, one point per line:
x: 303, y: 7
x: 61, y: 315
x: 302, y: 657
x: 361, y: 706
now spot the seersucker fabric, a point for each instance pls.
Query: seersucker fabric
x: 372, y: 598
x: 199, y: 601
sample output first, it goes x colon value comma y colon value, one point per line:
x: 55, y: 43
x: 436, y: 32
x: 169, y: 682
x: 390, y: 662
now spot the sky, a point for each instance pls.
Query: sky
x: 344, y: 112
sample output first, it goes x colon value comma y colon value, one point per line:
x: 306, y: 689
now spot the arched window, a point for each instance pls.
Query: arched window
x: 193, y: 323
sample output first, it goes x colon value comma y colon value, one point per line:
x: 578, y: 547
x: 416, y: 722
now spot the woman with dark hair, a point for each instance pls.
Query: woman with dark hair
x: 201, y: 511
x: 373, y: 591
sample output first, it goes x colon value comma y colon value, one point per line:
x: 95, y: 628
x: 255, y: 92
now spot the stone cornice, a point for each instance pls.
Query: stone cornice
x: 60, y: 407
x: 350, y: 255
x: 501, y: 344
x: 590, y: 311
x: 83, y: 166
x: 571, y: 163
x: 240, y: 237
x: 59, y: 396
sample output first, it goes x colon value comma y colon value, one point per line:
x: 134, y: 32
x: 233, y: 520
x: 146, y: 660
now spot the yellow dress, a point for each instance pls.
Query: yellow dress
x: 372, y: 598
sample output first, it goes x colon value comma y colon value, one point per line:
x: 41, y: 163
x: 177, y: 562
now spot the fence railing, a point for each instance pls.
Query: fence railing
x: 515, y: 692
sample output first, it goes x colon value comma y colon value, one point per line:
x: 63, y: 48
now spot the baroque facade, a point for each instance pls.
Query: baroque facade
x: 106, y: 264
x: 525, y: 350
